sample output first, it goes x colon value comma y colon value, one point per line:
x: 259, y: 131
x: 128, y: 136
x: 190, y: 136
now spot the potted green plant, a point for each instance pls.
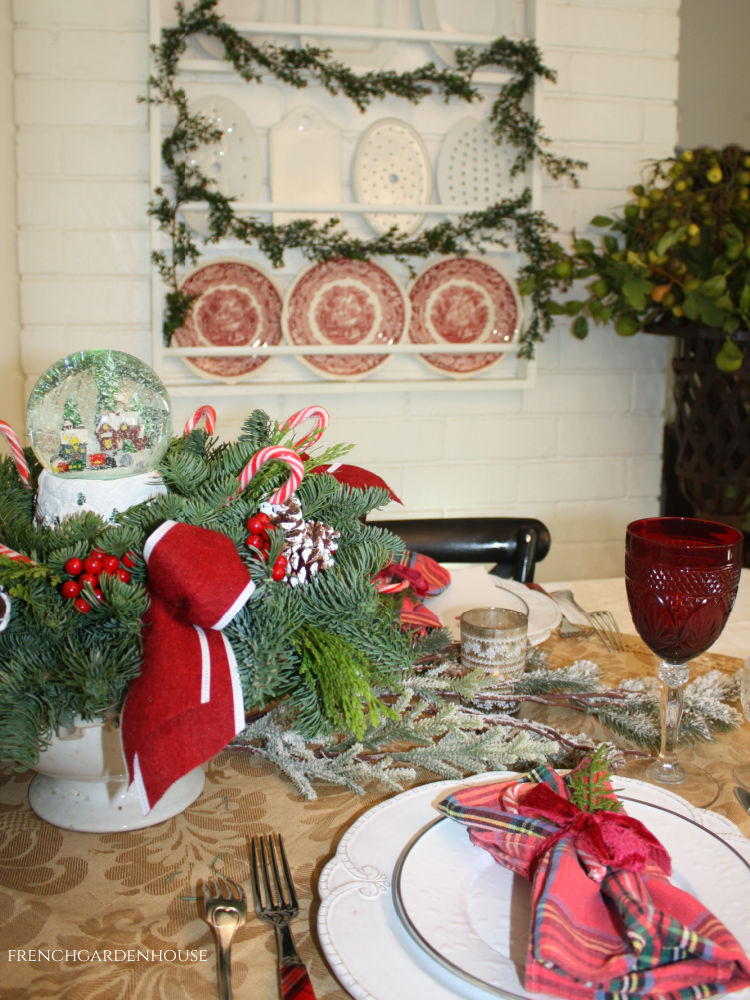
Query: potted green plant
x: 676, y: 261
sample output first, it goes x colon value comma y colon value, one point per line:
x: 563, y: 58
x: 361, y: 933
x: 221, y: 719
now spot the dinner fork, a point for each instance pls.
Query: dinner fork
x: 602, y: 622
x: 225, y: 909
x: 278, y: 906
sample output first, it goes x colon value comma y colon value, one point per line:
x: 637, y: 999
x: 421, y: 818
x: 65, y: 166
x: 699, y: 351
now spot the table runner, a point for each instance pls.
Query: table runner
x: 135, y: 896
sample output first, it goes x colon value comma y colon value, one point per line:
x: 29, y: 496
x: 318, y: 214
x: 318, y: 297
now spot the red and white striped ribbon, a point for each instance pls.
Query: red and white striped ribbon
x: 16, y: 451
x: 203, y: 411
x: 275, y: 453
x: 321, y: 420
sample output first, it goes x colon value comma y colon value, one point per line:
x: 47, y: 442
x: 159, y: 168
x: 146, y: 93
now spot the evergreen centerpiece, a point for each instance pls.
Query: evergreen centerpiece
x: 314, y: 636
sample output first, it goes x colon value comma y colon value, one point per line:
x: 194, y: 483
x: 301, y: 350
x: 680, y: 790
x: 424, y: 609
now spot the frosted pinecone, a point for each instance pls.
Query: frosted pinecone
x: 308, y: 545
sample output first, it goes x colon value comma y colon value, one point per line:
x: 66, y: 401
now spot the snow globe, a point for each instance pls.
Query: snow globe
x: 99, y: 422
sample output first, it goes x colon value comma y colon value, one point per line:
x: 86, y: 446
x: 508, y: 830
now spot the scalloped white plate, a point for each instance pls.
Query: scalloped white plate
x: 711, y: 858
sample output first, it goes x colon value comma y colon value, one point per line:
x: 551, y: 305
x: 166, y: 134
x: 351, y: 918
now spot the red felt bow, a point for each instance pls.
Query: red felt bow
x: 602, y: 839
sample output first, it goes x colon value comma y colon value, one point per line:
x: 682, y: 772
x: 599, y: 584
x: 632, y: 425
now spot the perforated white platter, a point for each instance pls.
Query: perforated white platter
x: 391, y: 167
x: 234, y: 161
x: 472, y: 168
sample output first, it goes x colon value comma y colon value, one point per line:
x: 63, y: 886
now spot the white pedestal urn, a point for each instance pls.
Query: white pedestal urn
x: 82, y: 784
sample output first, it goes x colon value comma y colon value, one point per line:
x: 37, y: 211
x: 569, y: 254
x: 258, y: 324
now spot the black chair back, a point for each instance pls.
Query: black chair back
x: 514, y: 544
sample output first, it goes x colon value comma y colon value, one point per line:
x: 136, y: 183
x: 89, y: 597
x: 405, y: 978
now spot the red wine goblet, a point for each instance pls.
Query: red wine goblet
x: 681, y: 576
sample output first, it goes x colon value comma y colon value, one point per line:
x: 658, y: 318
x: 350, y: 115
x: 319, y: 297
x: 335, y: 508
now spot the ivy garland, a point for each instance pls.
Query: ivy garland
x: 509, y: 223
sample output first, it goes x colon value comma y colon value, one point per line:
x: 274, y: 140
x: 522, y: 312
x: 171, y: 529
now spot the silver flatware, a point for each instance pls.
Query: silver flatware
x: 275, y: 901
x: 225, y: 909
x: 602, y: 622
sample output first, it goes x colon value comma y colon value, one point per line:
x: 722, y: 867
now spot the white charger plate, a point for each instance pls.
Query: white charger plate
x: 357, y: 905
x: 476, y: 588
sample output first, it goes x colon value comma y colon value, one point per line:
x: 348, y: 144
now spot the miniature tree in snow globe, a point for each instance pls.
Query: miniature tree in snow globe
x: 99, y: 422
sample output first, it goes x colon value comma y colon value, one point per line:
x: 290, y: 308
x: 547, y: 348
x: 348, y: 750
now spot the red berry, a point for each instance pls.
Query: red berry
x: 254, y: 542
x: 98, y: 594
x: 70, y: 589
x: 93, y: 564
x: 257, y: 525
x: 74, y: 566
x: 264, y: 519
x: 280, y: 561
x: 122, y: 574
x: 89, y: 578
x: 278, y: 572
x: 83, y: 606
x: 128, y: 560
x: 110, y: 564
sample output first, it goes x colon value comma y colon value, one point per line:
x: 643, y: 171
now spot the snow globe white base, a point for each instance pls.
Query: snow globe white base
x: 82, y: 784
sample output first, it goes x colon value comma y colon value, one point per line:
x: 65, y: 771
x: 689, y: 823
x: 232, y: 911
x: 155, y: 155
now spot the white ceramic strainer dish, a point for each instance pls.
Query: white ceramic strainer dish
x: 391, y: 167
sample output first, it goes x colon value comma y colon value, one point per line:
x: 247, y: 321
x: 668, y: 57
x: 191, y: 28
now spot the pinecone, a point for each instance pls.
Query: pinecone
x: 308, y: 545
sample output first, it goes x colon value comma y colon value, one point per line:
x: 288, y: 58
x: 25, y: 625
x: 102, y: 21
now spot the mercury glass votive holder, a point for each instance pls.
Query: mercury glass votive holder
x: 494, y: 641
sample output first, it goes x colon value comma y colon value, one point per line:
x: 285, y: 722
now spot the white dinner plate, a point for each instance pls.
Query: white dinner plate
x: 360, y: 52
x: 490, y: 17
x: 476, y: 588
x: 710, y: 856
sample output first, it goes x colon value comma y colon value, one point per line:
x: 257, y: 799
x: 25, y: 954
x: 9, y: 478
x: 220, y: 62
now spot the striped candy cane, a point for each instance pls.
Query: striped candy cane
x: 321, y: 419
x: 16, y: 451
x: 275, y: 454
x: 12, y: 554
x: 203, y: 411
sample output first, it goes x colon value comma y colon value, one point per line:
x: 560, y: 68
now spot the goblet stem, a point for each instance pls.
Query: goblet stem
x: 674, y: 677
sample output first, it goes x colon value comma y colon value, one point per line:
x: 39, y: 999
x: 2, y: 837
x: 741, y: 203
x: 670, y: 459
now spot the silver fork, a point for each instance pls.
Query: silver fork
x: 602, y: 622
x: 277, y: 904
x: 225, y: 909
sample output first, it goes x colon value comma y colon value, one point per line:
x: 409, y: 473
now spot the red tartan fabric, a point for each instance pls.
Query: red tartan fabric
x: 423, y: 577
x: 606, y: 920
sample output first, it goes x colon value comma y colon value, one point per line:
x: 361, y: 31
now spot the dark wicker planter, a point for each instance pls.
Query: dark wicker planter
x: 711, y: 430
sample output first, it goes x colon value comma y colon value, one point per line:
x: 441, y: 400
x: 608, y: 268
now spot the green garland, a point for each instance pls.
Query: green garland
x: 509, y: 223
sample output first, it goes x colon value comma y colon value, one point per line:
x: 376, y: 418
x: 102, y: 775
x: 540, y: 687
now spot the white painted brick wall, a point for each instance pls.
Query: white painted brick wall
x: 580, y: 449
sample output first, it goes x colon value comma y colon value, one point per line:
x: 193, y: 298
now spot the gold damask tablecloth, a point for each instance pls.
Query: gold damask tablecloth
x: 87, y: 916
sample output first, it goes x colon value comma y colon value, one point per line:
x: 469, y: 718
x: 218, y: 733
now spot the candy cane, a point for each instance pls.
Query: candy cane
x: 12, y: 554
x: 275, y: 454
x: 16, y: 451
x: 203, y: 411
x: 321, y: 418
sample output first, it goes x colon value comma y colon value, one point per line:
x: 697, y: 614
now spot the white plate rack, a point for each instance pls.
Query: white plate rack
x: 404, y: 370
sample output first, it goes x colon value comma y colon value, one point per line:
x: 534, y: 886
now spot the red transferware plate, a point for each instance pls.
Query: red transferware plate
x: 347, y: 302
x: 463, y: 300
x: 235, y: 305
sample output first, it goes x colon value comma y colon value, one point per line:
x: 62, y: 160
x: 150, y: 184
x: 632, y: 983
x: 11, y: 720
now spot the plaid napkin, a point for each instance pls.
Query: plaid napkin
x: 606, y: 921
x: 417, y: 577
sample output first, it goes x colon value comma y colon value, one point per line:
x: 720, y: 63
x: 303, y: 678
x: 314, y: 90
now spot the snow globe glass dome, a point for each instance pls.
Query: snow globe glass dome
x: 99, y: 422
